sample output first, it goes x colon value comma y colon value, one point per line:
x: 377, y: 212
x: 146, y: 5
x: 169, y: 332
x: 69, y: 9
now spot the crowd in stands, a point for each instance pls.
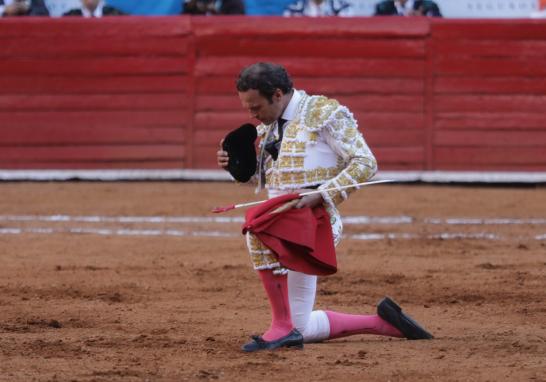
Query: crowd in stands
x: 213, y: 7
x: 289, y: 8
x: 408, y: 8
x: 94, y: 8
x: 23, y: 8
x: 540, y: 13
x: 309, y: 8
x: 318, y: 8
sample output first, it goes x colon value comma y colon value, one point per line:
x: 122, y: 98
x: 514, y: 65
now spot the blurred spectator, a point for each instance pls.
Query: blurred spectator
x: 541, y: 12
x: 407, y: 8
x: 318, y: 8
x: 94, y: 8
x: 23, y: 8
x: 214, y: 7
x: 198, y: 7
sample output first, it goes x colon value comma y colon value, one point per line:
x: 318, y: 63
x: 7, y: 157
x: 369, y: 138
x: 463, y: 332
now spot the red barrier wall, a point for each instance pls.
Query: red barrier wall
x: 159, y: 92
x: 108, y: 93
x: 489, y: 95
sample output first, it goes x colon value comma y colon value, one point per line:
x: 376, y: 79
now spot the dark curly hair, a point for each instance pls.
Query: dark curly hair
x: 265, y: 77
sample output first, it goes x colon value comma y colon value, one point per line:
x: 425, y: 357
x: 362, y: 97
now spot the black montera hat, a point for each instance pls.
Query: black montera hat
x: 239, y: 145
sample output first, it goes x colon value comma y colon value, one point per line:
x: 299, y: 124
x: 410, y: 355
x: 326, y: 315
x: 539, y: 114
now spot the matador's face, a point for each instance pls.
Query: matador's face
x: 260, y: 108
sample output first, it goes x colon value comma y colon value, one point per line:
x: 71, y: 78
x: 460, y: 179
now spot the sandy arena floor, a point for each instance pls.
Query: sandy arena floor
x: 136, y: 282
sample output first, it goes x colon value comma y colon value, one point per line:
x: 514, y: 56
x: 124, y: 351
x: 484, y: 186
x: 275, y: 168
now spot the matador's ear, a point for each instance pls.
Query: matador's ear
x: 239, y: 145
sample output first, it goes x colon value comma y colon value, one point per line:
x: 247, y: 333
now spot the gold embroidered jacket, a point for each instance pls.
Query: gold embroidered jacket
x: 321, y: 146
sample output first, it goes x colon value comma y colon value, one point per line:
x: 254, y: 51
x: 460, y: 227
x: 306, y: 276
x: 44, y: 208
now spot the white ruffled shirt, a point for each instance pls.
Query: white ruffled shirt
x: 96, y: 13
x: 404, y: 10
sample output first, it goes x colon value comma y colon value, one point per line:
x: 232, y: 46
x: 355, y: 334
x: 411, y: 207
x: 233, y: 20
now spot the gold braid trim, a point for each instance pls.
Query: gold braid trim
x: 361, y: 164
x: 290, y: 178
x: 317, y: 111
x: 260, y: 256
x: 358, y: 171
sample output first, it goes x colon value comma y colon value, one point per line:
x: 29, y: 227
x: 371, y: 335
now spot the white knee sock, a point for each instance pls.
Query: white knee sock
x: 313, y: 325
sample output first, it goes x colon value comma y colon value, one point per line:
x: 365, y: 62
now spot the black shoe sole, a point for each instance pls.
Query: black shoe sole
x: 388, y: 310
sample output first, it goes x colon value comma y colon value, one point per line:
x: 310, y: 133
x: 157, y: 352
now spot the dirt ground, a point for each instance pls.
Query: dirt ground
x: 97, y: 299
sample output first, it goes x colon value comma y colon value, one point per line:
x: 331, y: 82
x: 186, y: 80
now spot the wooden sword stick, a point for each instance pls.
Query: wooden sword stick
x: 234, y: 206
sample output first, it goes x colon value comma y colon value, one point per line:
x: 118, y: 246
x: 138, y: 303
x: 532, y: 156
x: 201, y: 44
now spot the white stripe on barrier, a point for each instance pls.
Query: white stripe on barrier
x: 476, y: 221
x: 457, y: 235
x: 381, y: 236
x: 116, y: 232
x: 18, y: 231
x: 178, y: 233
x: 390, y: 220
x: 524, y: 177
x: 442, y: 236
x: 114, y: 175
x: 123, y: 219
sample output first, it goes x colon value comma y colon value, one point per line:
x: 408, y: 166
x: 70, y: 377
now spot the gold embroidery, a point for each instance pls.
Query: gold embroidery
x: 264, y: 261
x: 260, y: 256
x: 269, y: 179
x: 297, y: 178
x: 350, y: 134
x: 335, y: 196
x: 344, y: 180
x: 255, y: 244
x: 318, y: 111
x: 291, y: 130
x: 336, y: 125
x: 313, y: 136
x: 360, y: 170
x: 291, y: 162
x: 293, y: 147
x: 288, y: 178
x: 355, y: 172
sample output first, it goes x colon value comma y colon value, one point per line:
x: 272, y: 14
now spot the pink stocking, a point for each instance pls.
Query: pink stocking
x: 342, y: 325
x: 276, y: 287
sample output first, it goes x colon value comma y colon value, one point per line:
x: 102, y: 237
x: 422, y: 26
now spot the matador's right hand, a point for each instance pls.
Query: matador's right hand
x: 222, y: 157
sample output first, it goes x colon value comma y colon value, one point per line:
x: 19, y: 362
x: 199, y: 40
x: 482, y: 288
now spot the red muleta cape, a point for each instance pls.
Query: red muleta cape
x: 301, y: 237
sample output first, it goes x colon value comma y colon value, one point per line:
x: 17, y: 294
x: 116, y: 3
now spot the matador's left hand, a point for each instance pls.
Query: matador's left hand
x: 310, y: 201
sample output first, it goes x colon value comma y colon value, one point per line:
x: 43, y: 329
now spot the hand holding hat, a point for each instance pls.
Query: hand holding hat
x: 241, y: 152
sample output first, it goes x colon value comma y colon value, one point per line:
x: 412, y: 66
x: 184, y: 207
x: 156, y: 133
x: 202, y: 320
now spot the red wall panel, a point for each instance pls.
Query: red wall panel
x: 489, y: 95
x: 102, y: 93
